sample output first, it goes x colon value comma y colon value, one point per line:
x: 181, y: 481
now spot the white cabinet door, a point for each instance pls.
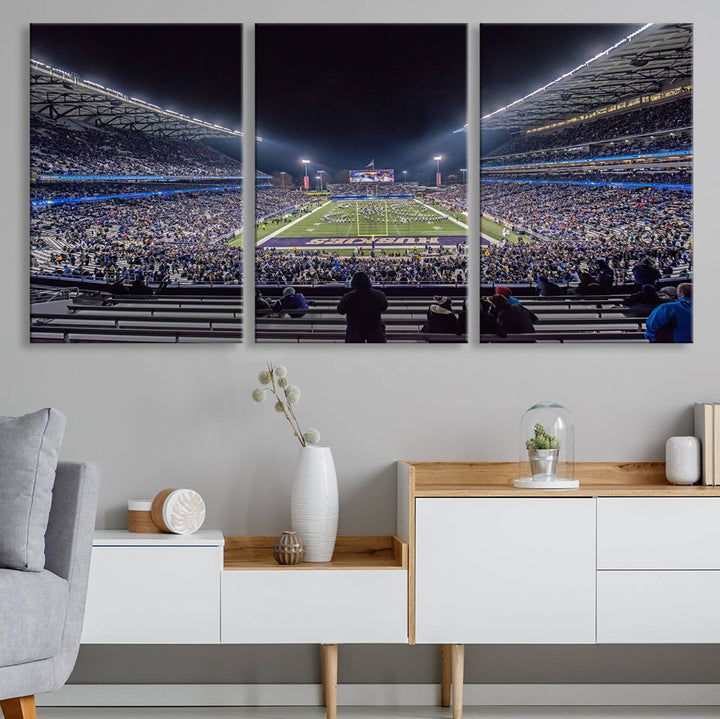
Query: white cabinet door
x: 497, y: 571
x: 290, y: 606
x: 153, y: 595
x: 658, y: 607
x: 658, y: 532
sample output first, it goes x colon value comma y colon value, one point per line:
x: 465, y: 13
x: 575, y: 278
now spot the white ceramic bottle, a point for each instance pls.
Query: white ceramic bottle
x: 682, y: 460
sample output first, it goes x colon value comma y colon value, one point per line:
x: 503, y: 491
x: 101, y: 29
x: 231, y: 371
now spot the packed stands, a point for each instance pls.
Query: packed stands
x: 452, y: 198
x: 646, y: 119
x: 432, y: 267
x: 59, y: 149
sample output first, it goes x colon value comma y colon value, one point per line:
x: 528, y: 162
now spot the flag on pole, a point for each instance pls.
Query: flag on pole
x: 371, y: 164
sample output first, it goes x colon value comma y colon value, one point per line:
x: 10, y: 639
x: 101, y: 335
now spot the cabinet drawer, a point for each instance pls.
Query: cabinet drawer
x: 658, y: 532
x: 290, y: 606
x: 153, y: 595
x: 658, y: 607
x: 497, y: 571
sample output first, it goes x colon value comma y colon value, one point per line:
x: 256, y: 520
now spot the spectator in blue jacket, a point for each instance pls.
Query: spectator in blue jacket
x: 672, y: 321
x: 292, y: 303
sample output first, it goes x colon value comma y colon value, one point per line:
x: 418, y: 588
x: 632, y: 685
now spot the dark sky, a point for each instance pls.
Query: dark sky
x: 517, y: 59
x: 192, y: 69
x: 342, y: 95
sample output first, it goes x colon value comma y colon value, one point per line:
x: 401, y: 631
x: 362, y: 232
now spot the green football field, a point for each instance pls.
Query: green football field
x: 494, y: 230
x: 367, y: 218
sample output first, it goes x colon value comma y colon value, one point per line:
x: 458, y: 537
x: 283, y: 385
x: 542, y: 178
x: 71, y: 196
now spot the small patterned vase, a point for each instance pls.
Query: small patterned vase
x: 288, y: 548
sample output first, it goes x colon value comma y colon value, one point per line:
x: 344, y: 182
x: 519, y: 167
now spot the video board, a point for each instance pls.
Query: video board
x: 372, y: 175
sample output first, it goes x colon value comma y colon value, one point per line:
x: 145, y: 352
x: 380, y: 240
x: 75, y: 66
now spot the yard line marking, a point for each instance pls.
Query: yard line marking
x: 282, y: 229
x: 437, y: 212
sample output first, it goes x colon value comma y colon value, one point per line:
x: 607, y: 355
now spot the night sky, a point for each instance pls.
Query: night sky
x: 517, y: 59
x: 192, y: 69
x: 342, y: 95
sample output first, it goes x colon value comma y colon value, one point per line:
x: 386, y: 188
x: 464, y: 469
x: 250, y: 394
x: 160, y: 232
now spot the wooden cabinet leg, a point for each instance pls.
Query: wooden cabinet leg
x: 446, y: 675
x: 458, y: 670
x: 20, y: 708
x: 322, y: 673
x: 329, y: 661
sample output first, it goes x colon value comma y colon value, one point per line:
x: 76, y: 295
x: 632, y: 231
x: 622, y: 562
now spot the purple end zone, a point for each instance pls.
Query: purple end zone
x: 380, y: 242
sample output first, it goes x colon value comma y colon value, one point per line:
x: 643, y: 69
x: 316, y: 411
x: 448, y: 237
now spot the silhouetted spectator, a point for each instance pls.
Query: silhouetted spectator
x: 546, y: 288
x: 513, y: 319
x: 262, y: 307
x: 440, y: 317
x: 363, y: 306
x: 641, y: 304
x: 645, y: 272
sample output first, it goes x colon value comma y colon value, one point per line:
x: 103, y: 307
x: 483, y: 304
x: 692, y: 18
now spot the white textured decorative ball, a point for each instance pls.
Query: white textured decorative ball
x: 183, y: 511
x: 682, y: 460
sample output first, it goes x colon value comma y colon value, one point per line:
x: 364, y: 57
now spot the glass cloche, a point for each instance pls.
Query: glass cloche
x: 547, y: 448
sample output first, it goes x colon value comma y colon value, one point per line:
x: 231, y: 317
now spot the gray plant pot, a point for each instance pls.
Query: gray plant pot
x: 543, y: 463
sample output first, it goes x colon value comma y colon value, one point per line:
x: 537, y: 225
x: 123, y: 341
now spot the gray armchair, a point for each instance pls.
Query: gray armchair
x: 41, y: 613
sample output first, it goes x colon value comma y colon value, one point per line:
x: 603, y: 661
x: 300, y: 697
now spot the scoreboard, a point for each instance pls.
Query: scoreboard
x: 372, y: 175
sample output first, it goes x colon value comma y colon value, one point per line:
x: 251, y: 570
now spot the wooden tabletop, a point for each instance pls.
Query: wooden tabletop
x: 351, y: 552
x: 597, y: 479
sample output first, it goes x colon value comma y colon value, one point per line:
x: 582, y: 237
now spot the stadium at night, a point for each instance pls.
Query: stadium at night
x: 586, y: 183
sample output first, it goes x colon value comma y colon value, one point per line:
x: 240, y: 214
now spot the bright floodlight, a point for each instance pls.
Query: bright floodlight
x: 571, y: 72
x: 305, y: 162
x: 437, y: 158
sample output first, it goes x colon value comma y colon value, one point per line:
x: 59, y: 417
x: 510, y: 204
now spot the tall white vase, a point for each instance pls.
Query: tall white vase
x: 314, y: 503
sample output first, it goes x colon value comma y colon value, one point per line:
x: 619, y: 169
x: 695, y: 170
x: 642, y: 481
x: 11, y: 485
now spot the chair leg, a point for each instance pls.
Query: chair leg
x: 19, y: 708
x: 446, y: 676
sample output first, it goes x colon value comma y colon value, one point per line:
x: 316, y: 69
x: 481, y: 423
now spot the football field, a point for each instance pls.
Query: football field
x: 357, y: 223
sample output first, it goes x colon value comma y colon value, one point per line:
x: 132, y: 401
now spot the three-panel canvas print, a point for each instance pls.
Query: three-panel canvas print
x: 360, y: 184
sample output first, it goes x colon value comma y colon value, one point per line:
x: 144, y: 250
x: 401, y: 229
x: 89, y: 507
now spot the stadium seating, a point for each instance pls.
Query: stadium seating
x: 646, y: 119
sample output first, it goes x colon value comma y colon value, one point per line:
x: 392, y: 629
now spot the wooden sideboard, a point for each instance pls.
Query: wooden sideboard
x: 205, y: 588
x: 623, y: 559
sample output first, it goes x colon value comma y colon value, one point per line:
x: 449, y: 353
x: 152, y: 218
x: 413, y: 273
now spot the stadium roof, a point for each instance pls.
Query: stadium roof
x: 646, y: 61
x: 57, y: 94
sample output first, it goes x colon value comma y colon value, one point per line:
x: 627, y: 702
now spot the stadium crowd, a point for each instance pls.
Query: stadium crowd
x: 57, y: 149
x: 645, y: 119
x: 607, y: 148
x: 679, y: 176
x: 453, y: 198
x: 186, y: 230
x: 577, y: 226
x: 279, y: 267
x: 272, y: 203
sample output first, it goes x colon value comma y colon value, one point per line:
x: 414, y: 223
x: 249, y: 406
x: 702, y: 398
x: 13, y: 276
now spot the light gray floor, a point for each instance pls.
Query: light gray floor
x: 383, y: 712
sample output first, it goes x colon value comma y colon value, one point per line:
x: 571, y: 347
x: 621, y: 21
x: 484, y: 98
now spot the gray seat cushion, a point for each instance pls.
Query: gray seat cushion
x: 29, y: 447
x: 32, y: 615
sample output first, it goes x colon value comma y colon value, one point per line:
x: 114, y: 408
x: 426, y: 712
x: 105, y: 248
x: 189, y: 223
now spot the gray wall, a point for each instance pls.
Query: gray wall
x: 181, y: 415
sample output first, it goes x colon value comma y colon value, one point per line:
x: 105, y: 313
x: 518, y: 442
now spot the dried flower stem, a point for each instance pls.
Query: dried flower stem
x: 286, y: 407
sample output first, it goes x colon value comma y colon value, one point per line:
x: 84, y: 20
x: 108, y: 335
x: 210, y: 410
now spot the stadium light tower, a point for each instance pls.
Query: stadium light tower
x: 321, y: 173
x: 404, y: 175
x: 306, y: 180
x: 438, y: 178
x: 282, y: 179
x: 318, y: 186
x: 463, y: 170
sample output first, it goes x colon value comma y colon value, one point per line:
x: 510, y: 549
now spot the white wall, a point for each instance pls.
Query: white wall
x: 158, y: 416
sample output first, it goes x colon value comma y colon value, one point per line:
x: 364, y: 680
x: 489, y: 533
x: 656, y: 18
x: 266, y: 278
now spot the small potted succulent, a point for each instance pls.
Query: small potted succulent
x: 543, y: 451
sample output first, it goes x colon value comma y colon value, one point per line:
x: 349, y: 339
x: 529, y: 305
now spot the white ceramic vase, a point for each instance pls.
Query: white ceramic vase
x: 314, y: 503
x: 682, y: 460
